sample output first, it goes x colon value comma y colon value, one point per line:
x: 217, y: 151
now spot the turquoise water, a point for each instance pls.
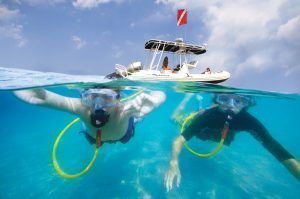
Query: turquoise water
x: 136, y: 169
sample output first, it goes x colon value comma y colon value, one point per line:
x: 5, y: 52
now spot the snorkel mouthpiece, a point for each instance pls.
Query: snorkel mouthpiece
x: 99, y: 118
x: 229, y: 117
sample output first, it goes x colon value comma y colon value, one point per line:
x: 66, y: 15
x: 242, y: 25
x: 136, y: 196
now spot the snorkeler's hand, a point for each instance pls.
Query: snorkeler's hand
x: 293, y: 166
x: 144, y: 103
x: 171, y: 174
x: 180, y: 110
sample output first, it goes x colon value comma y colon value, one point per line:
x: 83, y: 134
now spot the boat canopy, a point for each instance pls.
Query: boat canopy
x: 174, y: 47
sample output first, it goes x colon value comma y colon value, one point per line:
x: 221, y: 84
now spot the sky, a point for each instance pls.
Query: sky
x: 258, y: 42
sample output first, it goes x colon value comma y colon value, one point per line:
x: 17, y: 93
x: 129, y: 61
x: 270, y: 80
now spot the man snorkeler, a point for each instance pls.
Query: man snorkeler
x: 230, y: 115
x: 106, y: 118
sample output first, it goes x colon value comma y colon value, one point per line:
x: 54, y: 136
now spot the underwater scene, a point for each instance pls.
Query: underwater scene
x: 246, y: 165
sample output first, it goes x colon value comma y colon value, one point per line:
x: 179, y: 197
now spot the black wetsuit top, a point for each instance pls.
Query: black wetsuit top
x: 209, y: 124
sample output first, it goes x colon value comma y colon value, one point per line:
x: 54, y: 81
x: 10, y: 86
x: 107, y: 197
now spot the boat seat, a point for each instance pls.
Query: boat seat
x: 134, y: 66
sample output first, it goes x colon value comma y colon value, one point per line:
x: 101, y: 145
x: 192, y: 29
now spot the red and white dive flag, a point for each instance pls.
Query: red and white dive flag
x: 181, y: 17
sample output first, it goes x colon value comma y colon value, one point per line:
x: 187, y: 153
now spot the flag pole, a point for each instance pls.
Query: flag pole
x: 185, y: 30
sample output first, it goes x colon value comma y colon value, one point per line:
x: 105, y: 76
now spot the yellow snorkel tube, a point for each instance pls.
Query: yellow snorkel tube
x: 216, y: 149
x: 57, y: 141
x: 54, y: 158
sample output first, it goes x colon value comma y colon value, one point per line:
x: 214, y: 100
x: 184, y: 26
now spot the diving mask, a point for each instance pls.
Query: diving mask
x: 99, y: 98
x: 234, y: 102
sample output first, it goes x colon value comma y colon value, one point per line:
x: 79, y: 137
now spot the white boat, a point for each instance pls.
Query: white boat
x: 157, y: 71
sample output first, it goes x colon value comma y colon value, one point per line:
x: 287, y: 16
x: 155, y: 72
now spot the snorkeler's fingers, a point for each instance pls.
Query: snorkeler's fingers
x: 167, y: 181
x: 178, y: 179
x: 169, y: 186
x: 170, y: 181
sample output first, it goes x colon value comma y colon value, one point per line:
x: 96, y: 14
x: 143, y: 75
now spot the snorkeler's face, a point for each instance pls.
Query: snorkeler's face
x: 102, y: 102
x: 232, y: 103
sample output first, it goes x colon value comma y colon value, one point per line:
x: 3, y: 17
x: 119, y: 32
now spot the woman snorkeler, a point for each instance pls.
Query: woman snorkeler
x: 106, y: 118
x: 231, y: 116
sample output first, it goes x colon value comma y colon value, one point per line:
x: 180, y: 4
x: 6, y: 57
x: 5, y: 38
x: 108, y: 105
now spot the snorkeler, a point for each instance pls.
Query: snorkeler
x: 106, y: 118
x: 230, y: 115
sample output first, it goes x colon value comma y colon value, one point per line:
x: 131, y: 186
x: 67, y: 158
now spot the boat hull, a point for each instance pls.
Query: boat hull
x: 214, y: 78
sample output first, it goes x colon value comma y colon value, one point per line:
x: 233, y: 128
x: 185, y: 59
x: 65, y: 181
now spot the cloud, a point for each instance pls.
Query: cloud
x: 132, y: 24
x: 249, y: 36
x: 290, y: 31
x: 9, y: 28
x: 6, y: 14
x: 89, y: 4
x: 79, y: 43
x: 15, y: 32
x: 189, y: 4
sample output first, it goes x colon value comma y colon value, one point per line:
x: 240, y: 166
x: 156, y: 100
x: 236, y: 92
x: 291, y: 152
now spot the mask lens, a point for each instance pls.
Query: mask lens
x: 223, y: 99
x: 97, y: 98
x: 231, y: 100
x: 241, y: 101
x: 86, y: 99
x: 98, y: 102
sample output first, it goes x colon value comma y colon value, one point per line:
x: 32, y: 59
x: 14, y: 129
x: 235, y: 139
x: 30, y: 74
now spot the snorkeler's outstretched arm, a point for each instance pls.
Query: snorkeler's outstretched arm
x: 178, y: 114
x: 174, y: 170
x: 49, y: 99
x: 261, y: 134
x: 144, y: 103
